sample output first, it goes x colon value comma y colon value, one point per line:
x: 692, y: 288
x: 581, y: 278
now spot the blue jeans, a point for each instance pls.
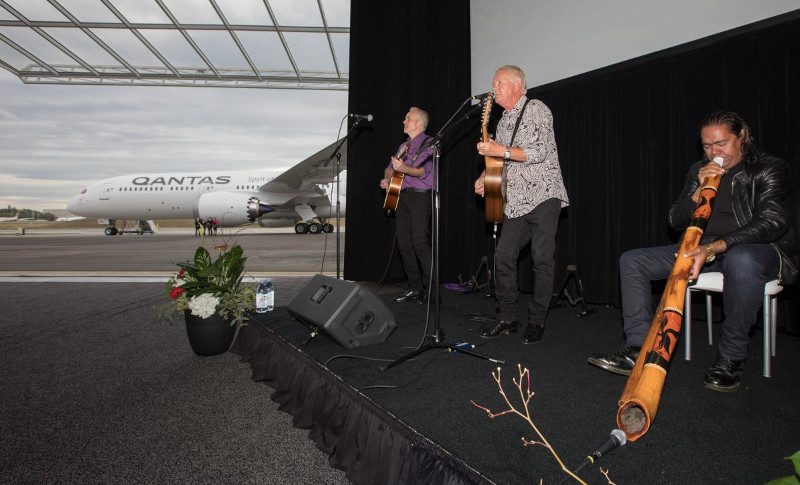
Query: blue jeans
x: 747, y: 267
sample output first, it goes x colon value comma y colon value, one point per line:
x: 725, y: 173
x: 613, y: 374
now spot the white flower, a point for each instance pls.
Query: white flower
x: 179, y: 282
x: 203, y: 305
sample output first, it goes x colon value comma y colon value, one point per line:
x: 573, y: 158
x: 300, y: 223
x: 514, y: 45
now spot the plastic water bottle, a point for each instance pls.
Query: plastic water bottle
x: 265, y: 296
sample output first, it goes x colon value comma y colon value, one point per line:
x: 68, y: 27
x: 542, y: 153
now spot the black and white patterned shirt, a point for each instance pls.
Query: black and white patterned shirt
x: 532, y: 182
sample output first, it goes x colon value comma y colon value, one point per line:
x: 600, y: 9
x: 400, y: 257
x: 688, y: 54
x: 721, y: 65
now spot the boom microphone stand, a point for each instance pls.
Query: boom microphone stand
x: 338, y: 156
x: 435, y: 340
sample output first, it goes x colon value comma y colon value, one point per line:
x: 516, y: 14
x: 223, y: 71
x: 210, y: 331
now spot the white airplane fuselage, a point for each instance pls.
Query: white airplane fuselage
x: 234, y: 198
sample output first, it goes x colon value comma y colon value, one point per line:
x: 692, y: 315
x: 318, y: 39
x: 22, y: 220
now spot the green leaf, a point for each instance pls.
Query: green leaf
x: 201, y: 257
x: 792, y: 479
x: 796, y: 460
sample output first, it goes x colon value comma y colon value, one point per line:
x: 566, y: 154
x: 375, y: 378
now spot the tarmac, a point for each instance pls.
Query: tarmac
x: 88, y: 255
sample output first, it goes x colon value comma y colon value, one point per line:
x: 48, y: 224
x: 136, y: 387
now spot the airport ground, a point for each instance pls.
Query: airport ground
x: 75, y: 250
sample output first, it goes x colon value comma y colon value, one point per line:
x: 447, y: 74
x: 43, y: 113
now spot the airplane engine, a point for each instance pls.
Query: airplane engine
x: 230, y: 208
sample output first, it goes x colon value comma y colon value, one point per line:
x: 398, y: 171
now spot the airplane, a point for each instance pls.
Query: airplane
x: 10, y: 219
x: 303, y: 196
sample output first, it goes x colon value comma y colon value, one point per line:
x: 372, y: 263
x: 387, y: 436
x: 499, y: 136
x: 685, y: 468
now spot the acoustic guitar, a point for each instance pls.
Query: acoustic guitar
x: 493, y: 175
x: 395, y: 183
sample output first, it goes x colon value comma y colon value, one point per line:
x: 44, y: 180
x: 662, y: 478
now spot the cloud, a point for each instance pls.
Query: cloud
x: 54, y: 140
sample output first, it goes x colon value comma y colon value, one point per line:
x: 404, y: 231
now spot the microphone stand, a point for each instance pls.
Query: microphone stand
x: 435, y: 340
x: 337, y: 154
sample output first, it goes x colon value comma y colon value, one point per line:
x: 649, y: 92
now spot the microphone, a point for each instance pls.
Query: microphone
x: 481, y: 97
x: 718, y: 160
x: 361, y: 117
x: 617, y: 439
x: 461, y: 345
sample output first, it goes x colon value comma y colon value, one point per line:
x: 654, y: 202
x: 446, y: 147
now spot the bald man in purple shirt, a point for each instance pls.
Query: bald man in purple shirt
x: 413, y: 217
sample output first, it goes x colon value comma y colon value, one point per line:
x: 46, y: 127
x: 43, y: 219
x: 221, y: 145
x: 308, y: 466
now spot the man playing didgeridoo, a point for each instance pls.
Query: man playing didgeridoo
x: 749, y: 238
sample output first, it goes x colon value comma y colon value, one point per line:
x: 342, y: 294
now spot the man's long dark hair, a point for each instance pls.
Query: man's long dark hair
x: 737, y: 126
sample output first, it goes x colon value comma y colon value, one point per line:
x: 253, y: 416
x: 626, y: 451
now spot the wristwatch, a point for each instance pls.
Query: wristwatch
x: 710, y: 254
x: 507, y: 154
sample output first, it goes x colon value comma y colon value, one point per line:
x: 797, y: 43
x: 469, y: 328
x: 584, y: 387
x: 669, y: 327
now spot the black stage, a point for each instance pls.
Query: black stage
x: 416, y: 422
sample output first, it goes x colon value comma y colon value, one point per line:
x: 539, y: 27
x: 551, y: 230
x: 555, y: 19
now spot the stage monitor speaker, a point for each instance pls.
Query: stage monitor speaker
x: 350, y: 314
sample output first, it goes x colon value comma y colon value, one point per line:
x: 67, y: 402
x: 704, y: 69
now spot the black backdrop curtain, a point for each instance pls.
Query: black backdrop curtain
x: 626, y: 133
x: 403, y: 54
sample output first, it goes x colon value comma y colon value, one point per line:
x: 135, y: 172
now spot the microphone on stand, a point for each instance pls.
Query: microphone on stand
x: 361, y: 117
x: 481, y: 97
x: 614, y: 441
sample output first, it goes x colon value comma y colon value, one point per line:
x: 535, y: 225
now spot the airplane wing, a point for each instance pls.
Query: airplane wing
x: 319, y: 168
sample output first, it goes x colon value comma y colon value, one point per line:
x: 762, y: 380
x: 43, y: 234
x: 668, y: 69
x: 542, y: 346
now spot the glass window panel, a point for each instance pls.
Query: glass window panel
x: 192, y: 11
x: 12, y: 57
x: 341, y: 46
x: 36, y: 45
x: 37, y: 10
x: 219, y: 48
x: 245, y: 12
x: 83, y: 46
x: 337, y: 12
x: 137, y: 11
x: 310, y: 51
x: 266, y: 50
x: 88, y: 11
x: 128, y: 46
x: 297, y: 12
x: 174, y: 47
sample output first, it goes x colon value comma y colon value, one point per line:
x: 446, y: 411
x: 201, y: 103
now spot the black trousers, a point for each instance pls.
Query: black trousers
x: 538, y: 227
x: 413, y: 221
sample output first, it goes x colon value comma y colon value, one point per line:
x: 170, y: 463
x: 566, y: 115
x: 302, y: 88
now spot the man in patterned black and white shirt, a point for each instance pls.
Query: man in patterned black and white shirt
x: 534, y: 196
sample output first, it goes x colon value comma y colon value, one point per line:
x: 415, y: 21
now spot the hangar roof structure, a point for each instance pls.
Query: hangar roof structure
x: 274, y: 44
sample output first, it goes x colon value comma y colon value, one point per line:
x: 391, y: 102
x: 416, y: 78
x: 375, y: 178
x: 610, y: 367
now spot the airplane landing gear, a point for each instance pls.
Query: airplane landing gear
x: 313, y: 227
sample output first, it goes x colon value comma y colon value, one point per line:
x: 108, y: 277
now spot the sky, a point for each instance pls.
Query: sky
x: 56, y: 140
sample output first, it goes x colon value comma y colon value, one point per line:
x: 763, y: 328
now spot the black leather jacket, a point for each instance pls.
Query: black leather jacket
x: 762, y: 204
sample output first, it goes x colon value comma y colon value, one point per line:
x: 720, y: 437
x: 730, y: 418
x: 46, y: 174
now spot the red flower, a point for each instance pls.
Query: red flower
x: 180, y: 273
x: 176, y: 292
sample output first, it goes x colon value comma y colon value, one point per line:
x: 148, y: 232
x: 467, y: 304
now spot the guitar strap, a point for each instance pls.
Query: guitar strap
x: 519, y: 120
x: 511, y: 144
x: 414, y: 160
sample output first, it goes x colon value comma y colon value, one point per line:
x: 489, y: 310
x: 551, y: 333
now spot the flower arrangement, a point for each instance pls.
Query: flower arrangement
x: 207, y: 286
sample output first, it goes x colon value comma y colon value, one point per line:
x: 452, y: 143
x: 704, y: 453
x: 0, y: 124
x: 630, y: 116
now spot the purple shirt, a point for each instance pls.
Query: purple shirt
x: 424, y: 160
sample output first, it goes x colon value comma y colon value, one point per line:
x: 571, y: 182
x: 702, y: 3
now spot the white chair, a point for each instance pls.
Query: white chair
x: 713, y: 281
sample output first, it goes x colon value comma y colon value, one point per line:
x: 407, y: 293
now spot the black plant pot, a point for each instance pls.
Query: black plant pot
x: 208, y: 336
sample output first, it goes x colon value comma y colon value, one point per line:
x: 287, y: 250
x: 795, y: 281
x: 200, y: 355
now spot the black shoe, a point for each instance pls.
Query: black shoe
x: 724, y: 375
x: 409, y: 295
x: 532, y: 334
x: 422, y: 299
x: 619, y: 363
x: 496, y: 328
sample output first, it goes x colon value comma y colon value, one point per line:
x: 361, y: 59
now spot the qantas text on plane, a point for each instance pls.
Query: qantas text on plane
x: 303, y: 196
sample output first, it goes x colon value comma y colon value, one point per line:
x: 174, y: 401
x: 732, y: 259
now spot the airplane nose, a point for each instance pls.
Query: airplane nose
x: 75, y: 203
